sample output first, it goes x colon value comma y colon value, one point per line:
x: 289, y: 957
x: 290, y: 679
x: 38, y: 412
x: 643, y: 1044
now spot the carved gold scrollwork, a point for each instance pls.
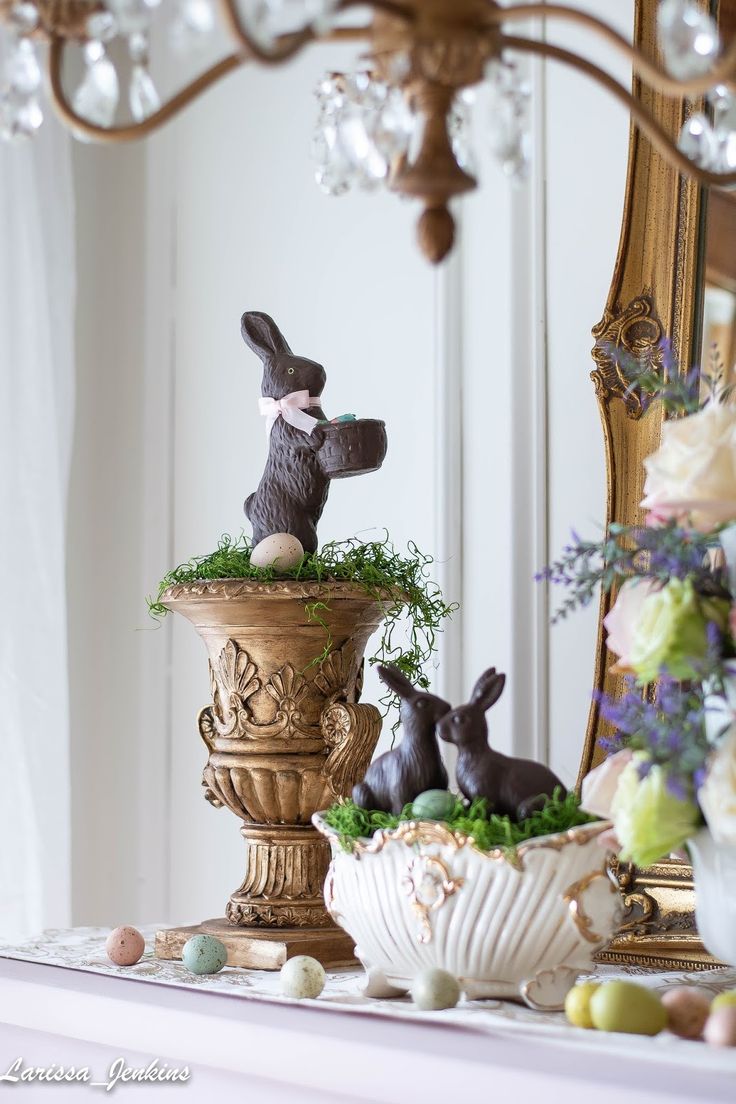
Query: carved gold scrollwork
x: 233, y: 682
x: 635, y: 332
x: 641, y: 911
x: 235, y: 679
x: 351, y: 732
x: 428, y: 885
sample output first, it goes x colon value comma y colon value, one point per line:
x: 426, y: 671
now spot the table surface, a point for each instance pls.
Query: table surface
x: 60, y: 1001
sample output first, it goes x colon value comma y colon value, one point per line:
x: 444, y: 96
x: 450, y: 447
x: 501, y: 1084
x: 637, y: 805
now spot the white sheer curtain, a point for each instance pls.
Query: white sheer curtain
x: 36, y: 411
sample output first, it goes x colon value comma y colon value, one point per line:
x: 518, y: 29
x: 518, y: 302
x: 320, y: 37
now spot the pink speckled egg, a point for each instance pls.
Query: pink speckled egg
x: 687, y: 1011
x: 720, y: 1030
x: 125, y: 946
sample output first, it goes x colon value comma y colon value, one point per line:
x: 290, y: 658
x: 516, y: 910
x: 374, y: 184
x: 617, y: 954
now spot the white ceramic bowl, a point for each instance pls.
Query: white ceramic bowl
x: 522, y: 925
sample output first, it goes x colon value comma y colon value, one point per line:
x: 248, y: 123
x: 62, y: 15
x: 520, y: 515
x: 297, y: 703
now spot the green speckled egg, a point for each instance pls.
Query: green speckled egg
x: 434, y: 989
x: 302, y: 977
x: 203, y: 954
x: 433, y: 805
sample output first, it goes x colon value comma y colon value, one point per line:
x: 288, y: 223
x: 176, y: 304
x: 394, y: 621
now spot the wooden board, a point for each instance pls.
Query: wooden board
x: 262, y: 950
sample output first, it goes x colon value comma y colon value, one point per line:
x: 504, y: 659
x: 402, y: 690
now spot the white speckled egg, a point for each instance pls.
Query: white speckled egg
x: 203, y: 954
x: 433, y: 989
x: 125, y: 946
x: 302, y: 977
x: 280, y: 550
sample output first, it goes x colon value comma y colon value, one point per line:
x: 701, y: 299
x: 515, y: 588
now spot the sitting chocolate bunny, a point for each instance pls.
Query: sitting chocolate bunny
x: 400, y: 775
x: 512, y: 787
x: 303, y: 456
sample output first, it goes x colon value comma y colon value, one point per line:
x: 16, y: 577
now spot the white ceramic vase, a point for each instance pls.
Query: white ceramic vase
x: 521, y: 925
x: 714, y: 872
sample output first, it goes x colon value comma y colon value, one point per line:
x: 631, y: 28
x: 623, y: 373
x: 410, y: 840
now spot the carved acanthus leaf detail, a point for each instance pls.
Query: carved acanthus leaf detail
x: 634, y: 334
x: 337, y: 676
x: 234, y: 682
x: 268, y: 916
x: 286, y: 686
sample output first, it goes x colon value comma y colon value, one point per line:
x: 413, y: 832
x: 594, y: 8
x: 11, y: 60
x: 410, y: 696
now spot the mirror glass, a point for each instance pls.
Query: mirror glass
x: 719, y: 268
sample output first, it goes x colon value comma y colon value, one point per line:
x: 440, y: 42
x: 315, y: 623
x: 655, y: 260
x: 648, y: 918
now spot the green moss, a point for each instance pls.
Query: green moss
x: 488, y: 831
x: 375, y: 566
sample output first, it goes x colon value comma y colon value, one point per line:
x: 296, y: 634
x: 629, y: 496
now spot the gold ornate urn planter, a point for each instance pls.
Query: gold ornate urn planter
x: 286, y: 735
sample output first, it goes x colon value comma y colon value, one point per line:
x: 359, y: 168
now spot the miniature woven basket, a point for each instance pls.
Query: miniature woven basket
x: 353, y: 448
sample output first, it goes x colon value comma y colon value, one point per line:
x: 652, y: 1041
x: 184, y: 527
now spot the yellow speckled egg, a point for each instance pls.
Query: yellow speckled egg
x: 280, y: 550
x: 626, y: 1006
x: 125, y: 946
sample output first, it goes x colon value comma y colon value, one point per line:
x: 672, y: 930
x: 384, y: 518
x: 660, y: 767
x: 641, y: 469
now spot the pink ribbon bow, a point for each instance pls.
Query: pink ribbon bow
x: 291, y: 408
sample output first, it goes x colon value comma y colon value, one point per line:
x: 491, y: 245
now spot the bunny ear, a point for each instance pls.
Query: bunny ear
x: 393, y: 678
x: 262, y: 335
x: 488, y: 689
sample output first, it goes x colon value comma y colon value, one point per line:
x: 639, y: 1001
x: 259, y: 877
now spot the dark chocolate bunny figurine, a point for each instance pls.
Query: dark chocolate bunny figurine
x: 512, y: 787
x: 302, y: 456
x: 400, y: 775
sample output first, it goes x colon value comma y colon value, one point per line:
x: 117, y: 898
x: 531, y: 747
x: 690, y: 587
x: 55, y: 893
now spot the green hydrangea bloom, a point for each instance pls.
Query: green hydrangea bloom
x: 672, y: 631
x: 649, y: 821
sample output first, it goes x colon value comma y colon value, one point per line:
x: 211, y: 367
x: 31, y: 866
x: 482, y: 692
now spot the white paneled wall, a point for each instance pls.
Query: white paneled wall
x: 480, y: 370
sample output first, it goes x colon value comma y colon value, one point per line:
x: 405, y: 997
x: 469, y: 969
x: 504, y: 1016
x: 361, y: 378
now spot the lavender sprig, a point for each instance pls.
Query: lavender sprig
x: 627, y: 551
x: 670, y: 729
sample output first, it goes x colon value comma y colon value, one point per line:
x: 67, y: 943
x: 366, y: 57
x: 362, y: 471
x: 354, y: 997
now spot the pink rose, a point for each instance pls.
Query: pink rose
x: 599, y: 787
x: 623, y: 618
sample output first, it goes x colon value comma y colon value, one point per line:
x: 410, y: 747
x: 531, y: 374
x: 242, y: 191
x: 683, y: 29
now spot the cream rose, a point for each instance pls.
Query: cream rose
x: 717, y: 795
x: 693, y: 473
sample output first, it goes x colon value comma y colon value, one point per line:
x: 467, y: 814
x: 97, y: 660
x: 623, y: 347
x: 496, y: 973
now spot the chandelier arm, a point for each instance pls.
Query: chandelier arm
x: 134, y: 130
x: 288, y: 46
x: 656, y: 134
x: 724, y: 72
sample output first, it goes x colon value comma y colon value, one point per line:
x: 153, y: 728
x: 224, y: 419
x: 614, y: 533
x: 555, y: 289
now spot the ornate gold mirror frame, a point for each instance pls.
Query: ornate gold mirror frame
x: 656, y: 292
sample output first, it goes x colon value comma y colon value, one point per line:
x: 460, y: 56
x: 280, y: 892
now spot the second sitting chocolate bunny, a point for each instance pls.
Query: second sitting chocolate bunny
x: 303, y: 455
x: 512, y: 787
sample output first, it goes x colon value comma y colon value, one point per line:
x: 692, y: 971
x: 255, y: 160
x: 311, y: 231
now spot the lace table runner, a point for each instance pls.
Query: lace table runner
x: 84, y: 949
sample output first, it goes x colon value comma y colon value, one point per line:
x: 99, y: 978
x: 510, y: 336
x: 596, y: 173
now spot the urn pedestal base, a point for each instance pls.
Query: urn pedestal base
x: 263, y: 949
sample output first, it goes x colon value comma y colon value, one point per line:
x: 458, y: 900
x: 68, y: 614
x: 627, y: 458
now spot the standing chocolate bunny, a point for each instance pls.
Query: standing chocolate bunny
x: 512, y: 787
x: 303, y: 455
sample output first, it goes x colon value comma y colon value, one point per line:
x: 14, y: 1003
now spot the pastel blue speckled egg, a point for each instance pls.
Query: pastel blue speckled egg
x: 203, y: 954
x: 433, y: 805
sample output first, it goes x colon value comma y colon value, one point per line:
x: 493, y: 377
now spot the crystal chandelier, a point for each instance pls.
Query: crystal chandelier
x: 401, y: 119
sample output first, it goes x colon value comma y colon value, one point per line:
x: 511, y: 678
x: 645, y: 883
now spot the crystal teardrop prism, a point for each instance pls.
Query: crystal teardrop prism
x: 22, y: 71
x: 144, y: 97
x: 23, y: 18
x: 20, y: 115
x: 698, y: 141
x: 507, y: 126
x: 688, y: 37
x: 193, y: 23
x: 132, y: 16
x: 96, y: 99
